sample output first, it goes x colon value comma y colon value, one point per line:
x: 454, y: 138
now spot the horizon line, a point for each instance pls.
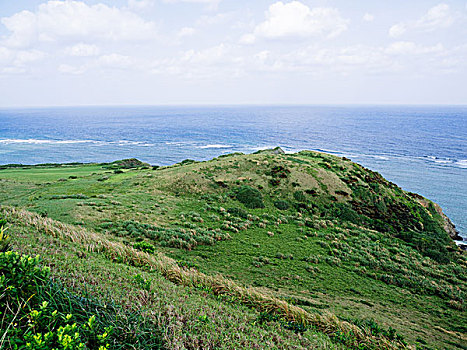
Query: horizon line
x: 240, y: 105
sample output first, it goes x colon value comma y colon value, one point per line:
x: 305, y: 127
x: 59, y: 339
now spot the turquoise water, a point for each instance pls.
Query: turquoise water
x: 423, y: 149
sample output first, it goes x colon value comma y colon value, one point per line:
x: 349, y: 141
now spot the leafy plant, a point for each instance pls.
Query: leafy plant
x: 250, y: 197
x: 282, y: 205
x: 39, y: 314
x: 299, y: 196
x: 4, y: 238
x: 144, y: 247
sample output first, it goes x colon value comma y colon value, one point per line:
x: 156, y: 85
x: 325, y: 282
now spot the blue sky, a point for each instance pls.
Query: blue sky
x: 153, y: 52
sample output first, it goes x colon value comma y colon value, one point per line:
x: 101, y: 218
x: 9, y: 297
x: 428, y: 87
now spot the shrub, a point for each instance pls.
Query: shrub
x: 238, y: 212
x: 279, y: 171
x: 299, y: 196
x: 282, y: 205
x: 36, y: 324
x: 263, y: 260
x: 4, y: 238
x: 125, y: 164
x: 141, y: 282
x: 345, y: 212
x: 312, y: 269
x: 145, y: 247
x: 250, y: 197
x: 39, y: 314
x: 70, y: 196
x: 275, y: 182
x: 187, y: 161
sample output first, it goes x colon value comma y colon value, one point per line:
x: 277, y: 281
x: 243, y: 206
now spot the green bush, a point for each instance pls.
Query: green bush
x: 250, y: 197
x: 345, y: 212
x: 145, y: 247
x: 70, y: 196
x: 282, y: 205
x: 239, y: 212
x: 38, y: 314
x: 28, y: 321
x: 299, y: 196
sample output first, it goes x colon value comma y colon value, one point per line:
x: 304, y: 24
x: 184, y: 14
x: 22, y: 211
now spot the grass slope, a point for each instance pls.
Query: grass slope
x: 309, y: 229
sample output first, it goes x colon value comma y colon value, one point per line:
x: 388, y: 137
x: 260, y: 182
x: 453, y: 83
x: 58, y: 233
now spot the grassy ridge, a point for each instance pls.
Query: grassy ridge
x: 317, y: 232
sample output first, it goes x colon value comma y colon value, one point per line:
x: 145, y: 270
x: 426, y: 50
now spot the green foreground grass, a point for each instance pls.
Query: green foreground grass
x: 183, y: 317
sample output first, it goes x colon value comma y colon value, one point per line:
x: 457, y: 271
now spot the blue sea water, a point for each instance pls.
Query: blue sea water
x: 423, y: 149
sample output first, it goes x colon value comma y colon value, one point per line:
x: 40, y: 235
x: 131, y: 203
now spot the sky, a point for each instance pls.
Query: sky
x: 186, y: 52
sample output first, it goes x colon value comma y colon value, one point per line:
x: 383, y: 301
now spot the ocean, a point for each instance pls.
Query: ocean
x: 423, y: 149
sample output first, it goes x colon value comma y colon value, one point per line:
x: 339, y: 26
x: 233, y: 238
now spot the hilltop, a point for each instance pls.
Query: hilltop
x: 290, y: 250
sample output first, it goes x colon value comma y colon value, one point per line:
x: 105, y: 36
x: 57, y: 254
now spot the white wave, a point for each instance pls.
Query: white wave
x: 130, y: 143
x: 40, y: 142
x: 324, y: 150
x: 462, y: 163
x: 443, y: 161
x: 70, y: 142
x: 377, y: 157
x: 215, y: 146
x: 179, y: 143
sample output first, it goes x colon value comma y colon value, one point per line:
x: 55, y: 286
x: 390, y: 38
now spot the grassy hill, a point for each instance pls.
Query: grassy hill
x: 267, y: 250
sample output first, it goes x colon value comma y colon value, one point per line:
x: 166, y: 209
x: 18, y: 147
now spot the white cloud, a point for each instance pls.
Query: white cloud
x: 209, y: 56
x: 397, y: 30
x: 411, y: 48
x: 263, y: 55
x: 210, y: 4
x: 213, y: 62
x: 82, y: 50
x: 368, y: 17
x: 295, y: 19
x: 316, y: 59
x: 362, y: 60
x: 186, y: 31
x: 248, y: 39
x: 6, y: 55
x: 23, y: 57
x: 75, y: 21
x: 112, y: 61
x: 139, y: 5
x: 68, y: 69
x: 18, y: 61
x: 115, y: 61
x: 437, y: 17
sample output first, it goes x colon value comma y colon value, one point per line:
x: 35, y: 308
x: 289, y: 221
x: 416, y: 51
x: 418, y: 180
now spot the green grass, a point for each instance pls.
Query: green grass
x: 185, y: 317
x: 349, y: 242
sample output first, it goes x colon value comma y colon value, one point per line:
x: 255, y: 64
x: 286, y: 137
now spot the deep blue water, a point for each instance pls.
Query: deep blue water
x: 422, y: 149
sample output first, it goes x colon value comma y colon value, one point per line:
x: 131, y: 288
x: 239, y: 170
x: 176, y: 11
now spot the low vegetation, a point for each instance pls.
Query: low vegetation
x: 303, y: 250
